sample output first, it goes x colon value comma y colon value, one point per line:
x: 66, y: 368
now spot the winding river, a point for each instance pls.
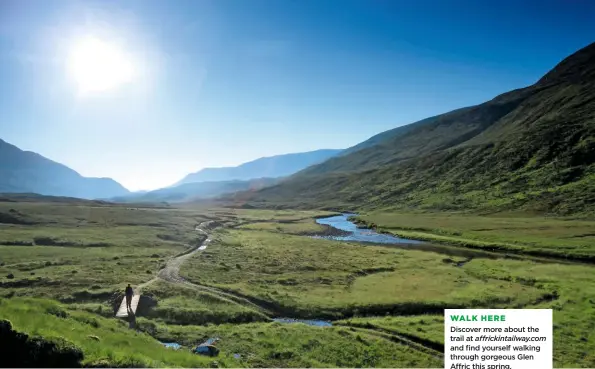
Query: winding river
x: 351, y: 233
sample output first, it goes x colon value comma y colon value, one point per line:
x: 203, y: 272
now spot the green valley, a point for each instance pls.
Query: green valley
x: 325, y: 258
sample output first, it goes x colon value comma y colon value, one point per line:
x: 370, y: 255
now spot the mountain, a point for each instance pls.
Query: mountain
x: 268, y: 167
x: 28, y: 172
x: 531, y: 149
x: 195, y: 191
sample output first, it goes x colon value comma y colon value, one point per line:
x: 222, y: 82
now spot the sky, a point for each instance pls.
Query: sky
x: 146, y: 91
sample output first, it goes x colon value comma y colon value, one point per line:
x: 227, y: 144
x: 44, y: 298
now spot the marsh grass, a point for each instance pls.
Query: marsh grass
x: 320, y: 278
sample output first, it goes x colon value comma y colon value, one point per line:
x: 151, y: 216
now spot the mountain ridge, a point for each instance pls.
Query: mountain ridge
x: 188, y: 192
x: 275, y: 166
x: 29, y: 172
x: 531, y: 148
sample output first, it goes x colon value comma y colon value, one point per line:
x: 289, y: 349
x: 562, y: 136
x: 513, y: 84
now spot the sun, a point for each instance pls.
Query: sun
x: 97, y: 65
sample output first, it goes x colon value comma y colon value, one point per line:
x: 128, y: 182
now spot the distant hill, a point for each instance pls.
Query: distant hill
x: 195, y: 191
x: 268, y: 167
x: 531, y: 149
x: 28, y: 172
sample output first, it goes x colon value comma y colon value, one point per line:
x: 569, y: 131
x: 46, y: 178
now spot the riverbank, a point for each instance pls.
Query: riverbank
x: 560, y: 238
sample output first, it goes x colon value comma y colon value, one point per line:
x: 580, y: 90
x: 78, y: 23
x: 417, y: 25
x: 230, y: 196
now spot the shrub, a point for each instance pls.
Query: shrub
x: 56, y: 311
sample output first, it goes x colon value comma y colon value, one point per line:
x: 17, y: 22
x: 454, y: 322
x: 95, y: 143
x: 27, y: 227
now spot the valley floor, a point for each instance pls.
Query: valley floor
x: 63, y: 268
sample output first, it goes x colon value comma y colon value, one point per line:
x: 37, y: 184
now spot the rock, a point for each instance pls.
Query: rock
x: 10, y: 276
x: 93, y: 337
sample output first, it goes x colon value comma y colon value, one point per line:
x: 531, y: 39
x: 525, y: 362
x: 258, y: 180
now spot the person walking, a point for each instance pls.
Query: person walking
x: 129, y: 294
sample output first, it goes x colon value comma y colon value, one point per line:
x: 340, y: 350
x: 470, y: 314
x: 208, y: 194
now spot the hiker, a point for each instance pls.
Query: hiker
x: 129, y: 294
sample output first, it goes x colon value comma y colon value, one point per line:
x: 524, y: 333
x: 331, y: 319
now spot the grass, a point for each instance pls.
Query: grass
x: 385, y: 302
x: 311, y: 277
x: 320, y: 278
x: 426, y: 327
x: 297, y: 227
x: 99, y: 248
x: 263, y: 215
x: 269, y: 345
x: 574, y: 307
x: 184, y: 306
x: 114, y: 344
x: 519, y: 233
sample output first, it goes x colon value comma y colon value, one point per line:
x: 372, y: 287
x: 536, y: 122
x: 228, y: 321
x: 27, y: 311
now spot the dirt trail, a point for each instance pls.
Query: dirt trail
x: 171, y: 273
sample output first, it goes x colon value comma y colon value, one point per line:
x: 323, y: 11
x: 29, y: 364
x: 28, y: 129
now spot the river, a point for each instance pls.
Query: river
x: 369, y: 236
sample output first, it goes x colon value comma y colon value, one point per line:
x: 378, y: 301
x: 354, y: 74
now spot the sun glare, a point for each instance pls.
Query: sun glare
x: 97, y: 65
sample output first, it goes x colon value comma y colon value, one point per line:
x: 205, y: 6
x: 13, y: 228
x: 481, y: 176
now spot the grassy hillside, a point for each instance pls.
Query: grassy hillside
x: 530, y: 149
x: 86, y: 339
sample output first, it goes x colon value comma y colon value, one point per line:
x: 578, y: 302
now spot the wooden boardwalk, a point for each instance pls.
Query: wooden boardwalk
x: 123, y: 311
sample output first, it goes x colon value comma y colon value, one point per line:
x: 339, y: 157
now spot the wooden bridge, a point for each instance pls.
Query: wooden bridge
x: 123, y: 311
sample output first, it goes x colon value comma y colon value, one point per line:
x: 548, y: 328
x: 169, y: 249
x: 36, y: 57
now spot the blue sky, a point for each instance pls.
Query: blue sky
x: 222, y: 82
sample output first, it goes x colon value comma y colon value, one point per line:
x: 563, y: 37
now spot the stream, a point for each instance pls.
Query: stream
x: 316, y: 323
x: 369, y: 236
x: 342, y: 223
